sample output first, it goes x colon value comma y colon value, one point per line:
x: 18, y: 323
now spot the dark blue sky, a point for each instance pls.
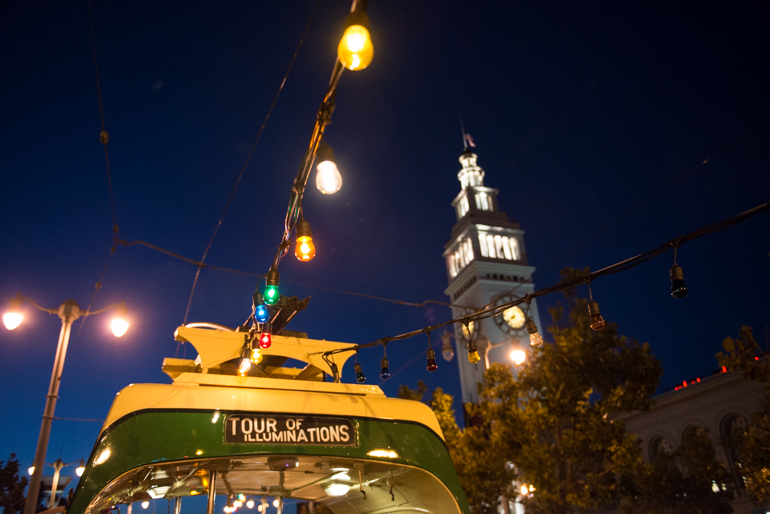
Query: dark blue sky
x: 585, y: 115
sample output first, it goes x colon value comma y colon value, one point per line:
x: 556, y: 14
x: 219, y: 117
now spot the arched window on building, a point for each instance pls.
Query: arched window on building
x: 698, y: 449
x: 733, y: 429
x: 659, y: 446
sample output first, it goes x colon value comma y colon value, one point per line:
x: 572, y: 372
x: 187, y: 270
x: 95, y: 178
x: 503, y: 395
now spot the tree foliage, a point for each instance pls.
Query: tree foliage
x: 681, y: 481
x: 556, y: 421
x: 559, y: 417
x: 743, y: 354
x: 11, y: 486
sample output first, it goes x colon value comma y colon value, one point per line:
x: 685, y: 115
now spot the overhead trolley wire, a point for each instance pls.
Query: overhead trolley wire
x: 245, y: 164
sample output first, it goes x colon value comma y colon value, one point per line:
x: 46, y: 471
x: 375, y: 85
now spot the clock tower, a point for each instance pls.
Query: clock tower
x: 486, y: 265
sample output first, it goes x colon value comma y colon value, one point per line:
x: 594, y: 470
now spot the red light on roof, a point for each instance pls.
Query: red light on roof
x: 756, y: 358
x: 697, y: 379
x: 724, y: 369
x: 684, y: 383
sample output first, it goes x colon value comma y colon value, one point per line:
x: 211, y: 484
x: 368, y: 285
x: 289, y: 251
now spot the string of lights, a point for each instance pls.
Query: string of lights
x: 248, y: 159
x: 597, y: 322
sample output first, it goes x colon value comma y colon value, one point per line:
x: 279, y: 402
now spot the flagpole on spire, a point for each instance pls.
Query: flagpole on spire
x: 465, y: 139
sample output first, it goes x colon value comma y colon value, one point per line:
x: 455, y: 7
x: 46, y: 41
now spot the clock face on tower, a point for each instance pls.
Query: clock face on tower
x: 512, y: 320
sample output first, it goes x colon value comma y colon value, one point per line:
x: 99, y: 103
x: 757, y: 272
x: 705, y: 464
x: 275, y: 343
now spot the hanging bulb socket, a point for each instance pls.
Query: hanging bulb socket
x: 384, y: 368
x: 245, y: 365
x: 597, y: 322
x: 473, y: 352
x: 432, y: 365
x: 446, y: 348
x: 305, y: 249
x: 266, y: 338
x: 261, y: 314
x: 272, y: 281
x: 327, y: 179
x: 360, y: 377
x: 355, y: 50
x: 535, y: 339
x: 678, y: 287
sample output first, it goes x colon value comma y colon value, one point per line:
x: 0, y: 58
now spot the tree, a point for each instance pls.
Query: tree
x: 559, y: 418
x: 476, y: 456
x: 743, y: 354
x: 11, y: 486
x: 690, y: 479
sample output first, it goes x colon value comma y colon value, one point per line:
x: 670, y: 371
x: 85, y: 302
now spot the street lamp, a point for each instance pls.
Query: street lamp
x: 57, y: 465
x: 68, y: 311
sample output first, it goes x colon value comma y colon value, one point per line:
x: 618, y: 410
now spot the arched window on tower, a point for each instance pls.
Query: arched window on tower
x: 499, y: 247
x: 733, y: 430
x: 461, y: 257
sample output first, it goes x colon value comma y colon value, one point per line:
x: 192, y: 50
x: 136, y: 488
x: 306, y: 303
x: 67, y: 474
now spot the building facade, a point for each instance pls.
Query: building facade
x: 487, y: 265
x: 720, y: 404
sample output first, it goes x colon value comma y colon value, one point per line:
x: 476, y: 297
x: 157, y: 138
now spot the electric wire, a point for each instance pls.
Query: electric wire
x: 248, y: 158
x: 609, y: 270
x: 104, y: 138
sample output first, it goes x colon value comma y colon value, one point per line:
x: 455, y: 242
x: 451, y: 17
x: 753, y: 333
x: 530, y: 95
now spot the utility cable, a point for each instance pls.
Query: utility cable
x: 609, y: 270
x: 104, y: 137
x: 248, y: 158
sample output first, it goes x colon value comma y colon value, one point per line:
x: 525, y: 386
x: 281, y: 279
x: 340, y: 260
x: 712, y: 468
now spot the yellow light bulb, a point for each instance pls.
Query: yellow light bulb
x: 305, y: 250
x: 256, y: 356
x: 355, y: 50
x: 474, y: 357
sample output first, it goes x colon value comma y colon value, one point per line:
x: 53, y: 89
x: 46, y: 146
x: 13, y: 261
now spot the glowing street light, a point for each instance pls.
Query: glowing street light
x: 68, y: 311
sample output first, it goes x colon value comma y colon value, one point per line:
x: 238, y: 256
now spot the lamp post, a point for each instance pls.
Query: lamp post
x: 58, y: 465
x: 68, y: 311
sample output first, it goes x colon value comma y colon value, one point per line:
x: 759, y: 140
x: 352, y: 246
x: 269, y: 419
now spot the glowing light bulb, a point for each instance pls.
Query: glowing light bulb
x: 535, y: 339
x: 265, y: 338
x: 597, y: 322
x: 256, y: 356
x: 31, y: 470
x: 355, y: 49
x: 250, y: 504
x: 473, y: 353
x: 518, y: 356
x: 13, y: 317
x: 524, y: 490
x: 145, y: 504
x: 305, y: 249
x: 275, y: 503
x: 272, y: 280
x: 80, y: 469
x: 261, y: 313
x: 119, y: 323
x: 244, y: 367
x: 327, y: 179
x: 336, y: 489
x: 432, y: 366
x: 678, y: 287
x: 384, y: 369
x: 360, y: 377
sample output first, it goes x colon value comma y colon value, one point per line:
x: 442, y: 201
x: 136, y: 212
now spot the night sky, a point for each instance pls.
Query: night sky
x: 591, y: 118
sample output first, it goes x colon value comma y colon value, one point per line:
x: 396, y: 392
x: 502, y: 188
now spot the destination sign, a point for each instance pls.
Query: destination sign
x: 285, y: 429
